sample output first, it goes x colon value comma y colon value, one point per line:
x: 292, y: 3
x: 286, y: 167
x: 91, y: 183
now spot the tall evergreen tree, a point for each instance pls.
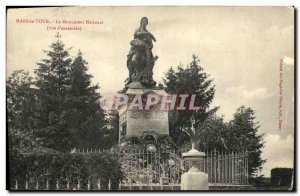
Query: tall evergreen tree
x: 86, y: 120
x: 53, y: 81
x: 189, y: 80
x: 243, y: 135
x: 111, y: 135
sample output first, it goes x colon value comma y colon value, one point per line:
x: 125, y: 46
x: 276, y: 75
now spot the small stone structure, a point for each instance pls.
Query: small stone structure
x: 194, y: 179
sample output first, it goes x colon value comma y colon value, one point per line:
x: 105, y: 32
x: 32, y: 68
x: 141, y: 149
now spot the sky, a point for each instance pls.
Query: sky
x: 239, y: 47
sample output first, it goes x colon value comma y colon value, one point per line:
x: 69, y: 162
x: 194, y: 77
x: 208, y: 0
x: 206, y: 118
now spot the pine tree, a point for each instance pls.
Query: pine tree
x: 52, y: 82
x: 112, y: 129
x: 242, y: 135
x: 189, y: 80
x: 86, y: 120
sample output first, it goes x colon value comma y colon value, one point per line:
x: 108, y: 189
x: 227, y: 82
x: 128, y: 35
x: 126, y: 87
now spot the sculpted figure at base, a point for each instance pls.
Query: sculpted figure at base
x: 140, y: 60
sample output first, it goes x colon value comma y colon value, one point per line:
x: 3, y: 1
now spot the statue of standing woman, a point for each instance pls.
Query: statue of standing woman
x: 140, y: 60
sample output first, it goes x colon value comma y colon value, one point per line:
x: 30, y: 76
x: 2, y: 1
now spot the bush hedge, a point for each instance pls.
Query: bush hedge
x: 63, y: 167
x: 281, y: 176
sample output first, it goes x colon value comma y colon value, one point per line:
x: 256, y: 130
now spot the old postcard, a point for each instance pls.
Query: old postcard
x: 150, y: 98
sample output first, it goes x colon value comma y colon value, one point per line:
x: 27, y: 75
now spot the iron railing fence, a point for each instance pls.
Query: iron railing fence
x: 145, y: 167
x: 161, y: 169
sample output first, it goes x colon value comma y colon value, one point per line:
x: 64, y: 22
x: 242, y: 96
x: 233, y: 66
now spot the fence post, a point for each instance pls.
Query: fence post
x: 247, y: 164
x: 88, y: 185
x: 68, y: 184
x: 218, y: 167
x: 236, y: 172
x: 232, y: 167
x: 78, y: 184
x: 57, y: 185
x: 26, y: 185
x: 109, y: 184
x: 37, y: 185
x: 99, y: 184
x: 16, y: 185
x: 204, y: 163
x: 245, y: 167
x: 240, y: 167
x: 215, y: 165
x: 221, y: 167
x: 224, y: 167
x: 140, y: 186
x: 47, y: 184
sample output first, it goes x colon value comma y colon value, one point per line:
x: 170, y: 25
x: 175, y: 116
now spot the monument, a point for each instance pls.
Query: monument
x: 140, y: 62
x: 137, y: 118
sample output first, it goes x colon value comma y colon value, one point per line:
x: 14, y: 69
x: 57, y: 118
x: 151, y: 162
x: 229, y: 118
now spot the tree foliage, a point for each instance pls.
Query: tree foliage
x: 69, y: 113
x: 243, y: 134
x: 54, y: 112
x: 21, y: 116
x: 189, y: 80
x: 210, y: 131
x: 53, y: 83
x: 83, y: 115
x: 21, y: 99
x: 213, y: 134
x: 59, y: 107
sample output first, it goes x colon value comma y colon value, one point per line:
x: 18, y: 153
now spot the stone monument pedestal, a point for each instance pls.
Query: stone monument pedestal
x: 135, y: 121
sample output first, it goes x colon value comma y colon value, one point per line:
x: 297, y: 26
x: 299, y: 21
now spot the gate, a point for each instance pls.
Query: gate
x: 144, y: 167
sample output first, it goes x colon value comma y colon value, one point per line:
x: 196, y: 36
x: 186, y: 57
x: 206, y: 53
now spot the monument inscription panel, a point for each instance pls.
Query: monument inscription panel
x: 147, y: 120
x: 135, y: 121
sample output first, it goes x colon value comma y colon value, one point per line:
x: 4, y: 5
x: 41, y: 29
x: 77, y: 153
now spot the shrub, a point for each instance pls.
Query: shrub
x: 281, y: 176
x: 67, y: 167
